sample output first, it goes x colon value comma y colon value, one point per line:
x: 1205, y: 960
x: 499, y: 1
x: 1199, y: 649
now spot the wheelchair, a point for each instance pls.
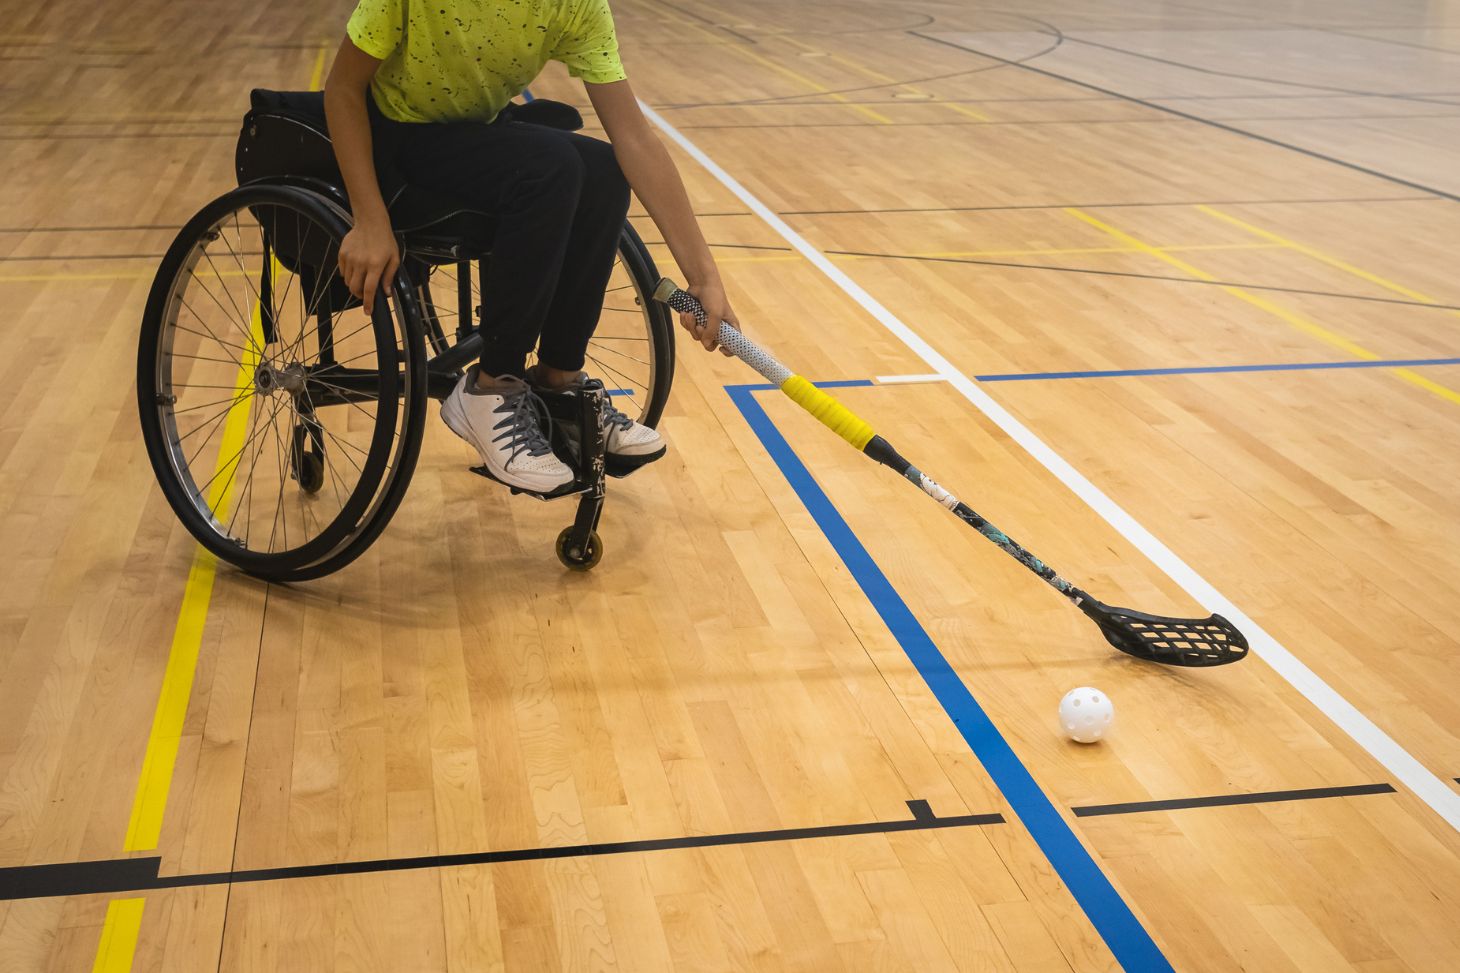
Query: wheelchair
x: 284, y: 434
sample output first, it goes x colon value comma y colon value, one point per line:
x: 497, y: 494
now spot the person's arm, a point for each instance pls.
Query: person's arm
x: 368, y: 255
x: 655, y: 180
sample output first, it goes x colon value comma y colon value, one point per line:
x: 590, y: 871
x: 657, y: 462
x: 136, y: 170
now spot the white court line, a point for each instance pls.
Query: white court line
x: 909, y: 379
x: 1380, y: 745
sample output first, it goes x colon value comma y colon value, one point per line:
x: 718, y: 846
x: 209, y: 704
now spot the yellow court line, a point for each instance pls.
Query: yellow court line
x: 1293, y: 318
x: 119, y: 933
x: 1317, y: 254
x: 1064, y: 251
x: 146, y: 118
x: 1037, y: 252
x: 879, y: 76
x: 134, y: 275
x: 876, y: 116
x: 38, y: 278
x: 871, y: 113
x: 144, y: 829
x: 316, y: 76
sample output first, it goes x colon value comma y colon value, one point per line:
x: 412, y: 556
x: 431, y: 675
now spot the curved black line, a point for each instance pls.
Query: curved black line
x: 1253, y: 77
x: 927, y: 20
x: 1354, y: 166
x: 1047, y: 29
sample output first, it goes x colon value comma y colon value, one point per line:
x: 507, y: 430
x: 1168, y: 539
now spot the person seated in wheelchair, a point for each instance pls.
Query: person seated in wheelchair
x: 418, y: 89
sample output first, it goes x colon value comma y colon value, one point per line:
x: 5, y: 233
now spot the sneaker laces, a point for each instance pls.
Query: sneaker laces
x: 612, y: 417
x: 526, y: 414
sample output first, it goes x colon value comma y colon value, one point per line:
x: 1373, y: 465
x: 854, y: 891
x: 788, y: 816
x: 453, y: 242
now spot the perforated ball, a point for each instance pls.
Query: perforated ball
x: 1086, y: 714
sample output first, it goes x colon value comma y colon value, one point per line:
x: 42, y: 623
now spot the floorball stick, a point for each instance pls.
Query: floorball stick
x: 1210, y: 641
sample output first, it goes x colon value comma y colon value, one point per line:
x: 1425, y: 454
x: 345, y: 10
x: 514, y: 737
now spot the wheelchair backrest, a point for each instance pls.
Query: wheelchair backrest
x: 284, y: 136
x: 285, y: 140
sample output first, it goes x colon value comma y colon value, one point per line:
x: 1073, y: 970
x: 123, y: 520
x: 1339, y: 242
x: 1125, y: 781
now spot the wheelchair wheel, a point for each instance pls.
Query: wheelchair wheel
x: 632, y: 351
x: 282, y: 432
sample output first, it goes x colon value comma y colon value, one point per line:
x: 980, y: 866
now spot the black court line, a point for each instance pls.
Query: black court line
x: 1227, y: 800
x: 118, y: 135
x: 235, y: 121
x: 1388, y: 40
x: 1353, y: 166
x: 994, y: 209
x: 871, y: 210
x: 1013, y: 265
x: 1306, y: 86
x: 141, y: 874
x: 1166, y: 277
x: 811, y: 101
x: 91, y: 229
x: 85, y: 256
x: 1035, y: 122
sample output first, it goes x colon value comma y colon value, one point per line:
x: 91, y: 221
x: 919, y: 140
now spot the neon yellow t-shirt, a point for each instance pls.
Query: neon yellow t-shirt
x: 464, y: 60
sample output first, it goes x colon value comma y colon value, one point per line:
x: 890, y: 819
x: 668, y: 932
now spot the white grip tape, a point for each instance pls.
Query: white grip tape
x: 752, y: 354
x: 729, y: 337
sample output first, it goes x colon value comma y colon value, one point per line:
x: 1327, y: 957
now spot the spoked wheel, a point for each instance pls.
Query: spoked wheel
x: 632, y: 351
x: 282, y: 431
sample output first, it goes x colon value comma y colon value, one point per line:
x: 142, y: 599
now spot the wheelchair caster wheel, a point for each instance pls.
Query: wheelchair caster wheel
x: 307, y: 458
x: 579, y: 560
x: 311, y: 473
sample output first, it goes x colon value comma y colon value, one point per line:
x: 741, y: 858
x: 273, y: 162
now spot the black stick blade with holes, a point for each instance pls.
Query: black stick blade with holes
x: 1191, y: 642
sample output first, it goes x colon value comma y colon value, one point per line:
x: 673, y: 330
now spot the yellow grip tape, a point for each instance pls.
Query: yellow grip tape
x: 831, y: 413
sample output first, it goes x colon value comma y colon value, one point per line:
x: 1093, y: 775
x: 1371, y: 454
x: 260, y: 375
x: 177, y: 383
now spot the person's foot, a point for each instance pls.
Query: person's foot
x: 629, y: 439
x: 501, y: 421
x: 629, y: 445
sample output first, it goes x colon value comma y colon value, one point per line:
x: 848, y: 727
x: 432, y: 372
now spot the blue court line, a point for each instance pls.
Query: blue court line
x: 1213, y: 369
x: 1128, y: 940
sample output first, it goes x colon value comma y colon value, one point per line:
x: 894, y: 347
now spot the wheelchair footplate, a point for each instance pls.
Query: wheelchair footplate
x: 578, y: 545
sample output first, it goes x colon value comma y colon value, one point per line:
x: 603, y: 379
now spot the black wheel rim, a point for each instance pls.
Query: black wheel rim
x: 245, y: 360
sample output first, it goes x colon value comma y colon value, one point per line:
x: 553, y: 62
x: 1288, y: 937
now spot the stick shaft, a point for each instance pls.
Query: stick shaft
x: 881, y: 450
x: 858, y: 433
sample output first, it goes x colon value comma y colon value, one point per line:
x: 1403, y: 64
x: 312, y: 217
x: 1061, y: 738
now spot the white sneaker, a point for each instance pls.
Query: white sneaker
x: 503, y: 425
x: 628, y: 439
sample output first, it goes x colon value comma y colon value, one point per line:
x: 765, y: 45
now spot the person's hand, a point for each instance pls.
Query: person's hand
x: 368, y: 260
x: 717, y: 308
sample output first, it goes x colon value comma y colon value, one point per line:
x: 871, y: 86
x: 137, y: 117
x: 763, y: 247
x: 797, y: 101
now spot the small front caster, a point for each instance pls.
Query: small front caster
x: 576, y: 558
x: 307, y: 457
x: 311, y: 472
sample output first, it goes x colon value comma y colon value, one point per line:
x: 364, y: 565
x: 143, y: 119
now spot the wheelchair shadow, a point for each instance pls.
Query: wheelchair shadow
x: 421, y: 570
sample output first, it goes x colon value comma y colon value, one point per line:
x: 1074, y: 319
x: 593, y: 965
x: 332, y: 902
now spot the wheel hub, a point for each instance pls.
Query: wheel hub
x: 291, y: 378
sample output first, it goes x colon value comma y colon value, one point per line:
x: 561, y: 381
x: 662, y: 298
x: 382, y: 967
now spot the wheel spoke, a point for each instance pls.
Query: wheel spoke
x: 621, y: 375
x: 228, y: 463
x: 622, y: 354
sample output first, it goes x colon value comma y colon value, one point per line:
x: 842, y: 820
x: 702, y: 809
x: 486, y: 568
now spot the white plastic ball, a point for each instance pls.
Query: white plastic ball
x: 1086, y: 714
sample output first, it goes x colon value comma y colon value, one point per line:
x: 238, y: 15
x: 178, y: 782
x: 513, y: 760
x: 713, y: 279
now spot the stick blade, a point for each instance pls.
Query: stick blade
x: 1190, y: 642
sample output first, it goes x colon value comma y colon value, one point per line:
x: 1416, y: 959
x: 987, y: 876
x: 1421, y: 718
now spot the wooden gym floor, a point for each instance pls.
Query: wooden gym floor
x: 1185, y: 274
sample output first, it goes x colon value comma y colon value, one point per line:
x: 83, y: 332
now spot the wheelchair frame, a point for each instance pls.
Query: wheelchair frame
x: 285, y: 153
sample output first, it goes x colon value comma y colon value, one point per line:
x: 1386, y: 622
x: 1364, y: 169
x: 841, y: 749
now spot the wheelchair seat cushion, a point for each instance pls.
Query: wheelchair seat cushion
x: 285, y: 138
